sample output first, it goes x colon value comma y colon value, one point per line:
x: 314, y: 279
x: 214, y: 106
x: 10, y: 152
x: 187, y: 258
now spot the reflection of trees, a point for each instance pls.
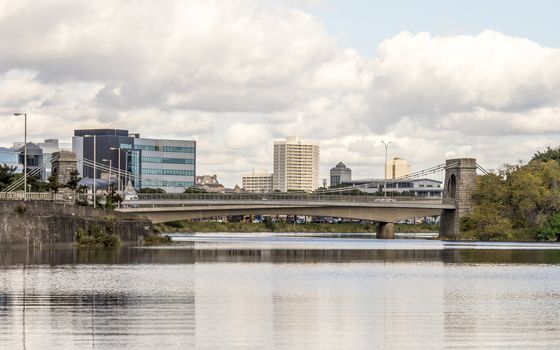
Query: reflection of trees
x: 186, y: 254
x: 473, y: 256
x: 70, y: 255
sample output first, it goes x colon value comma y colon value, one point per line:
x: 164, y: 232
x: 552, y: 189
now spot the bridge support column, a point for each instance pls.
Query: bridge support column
x: 385, y: 230
x: 459, y: 185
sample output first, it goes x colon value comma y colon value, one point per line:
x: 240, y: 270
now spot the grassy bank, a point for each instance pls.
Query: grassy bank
x: 191, y: 226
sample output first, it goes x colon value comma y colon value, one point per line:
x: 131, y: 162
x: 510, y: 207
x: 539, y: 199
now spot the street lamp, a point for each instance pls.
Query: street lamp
x: 24, y: 153
x: 94, y: 168
x: 110, y: 166
x: 126, y: 164
x: 385, y: 185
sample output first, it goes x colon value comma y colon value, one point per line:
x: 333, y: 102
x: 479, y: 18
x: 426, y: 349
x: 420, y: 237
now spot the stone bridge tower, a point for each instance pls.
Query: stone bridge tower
x: 459, y: 185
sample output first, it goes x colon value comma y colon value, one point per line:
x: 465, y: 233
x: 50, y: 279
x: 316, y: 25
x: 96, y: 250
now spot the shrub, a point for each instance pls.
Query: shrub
x: 96, y: 236
x: 175, y: 224
x: 157, y: 239
x: 111, y: 240
x: 550, y: 230
x: 269, y: 224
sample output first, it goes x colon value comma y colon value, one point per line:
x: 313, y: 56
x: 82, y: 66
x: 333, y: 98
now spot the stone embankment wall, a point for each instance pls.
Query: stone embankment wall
x: 40, y: 222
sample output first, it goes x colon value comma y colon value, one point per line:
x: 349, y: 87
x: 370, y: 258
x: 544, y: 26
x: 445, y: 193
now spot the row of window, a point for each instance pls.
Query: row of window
x: 154, y: 148
x: 156, y: 183
x: 177, y: 172
x: 167, y: 160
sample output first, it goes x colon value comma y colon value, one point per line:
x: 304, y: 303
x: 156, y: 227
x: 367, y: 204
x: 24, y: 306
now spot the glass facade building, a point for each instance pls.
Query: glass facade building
x: 155, y: 163
x: 10, y: 158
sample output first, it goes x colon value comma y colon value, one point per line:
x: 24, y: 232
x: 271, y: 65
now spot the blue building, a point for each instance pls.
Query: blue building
x: 10, y: 158
x: 169, y: 165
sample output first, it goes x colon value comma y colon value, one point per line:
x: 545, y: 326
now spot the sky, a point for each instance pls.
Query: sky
x: 439, y: 79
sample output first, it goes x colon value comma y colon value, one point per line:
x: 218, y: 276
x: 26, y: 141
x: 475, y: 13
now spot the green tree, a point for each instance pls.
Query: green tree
x: 54, y: 185
x: 520, y: 201
x: 151, y: 190
x: 194, y: 190
x: 548, y: 154
x: 7, y: 175
x: 550, y: 230
x: 74, y: 179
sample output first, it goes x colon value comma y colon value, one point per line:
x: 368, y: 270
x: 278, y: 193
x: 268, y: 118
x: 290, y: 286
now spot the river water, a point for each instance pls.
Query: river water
x: 218, y: 291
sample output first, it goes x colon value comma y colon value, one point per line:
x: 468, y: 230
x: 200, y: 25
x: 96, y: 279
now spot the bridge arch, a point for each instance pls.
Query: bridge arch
x: 451, y: 186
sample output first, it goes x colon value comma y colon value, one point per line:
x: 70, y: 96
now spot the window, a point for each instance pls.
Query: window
x: 167, y: 160
x: 177, y: 172
x: 155, y: 183
x: 156, y: 148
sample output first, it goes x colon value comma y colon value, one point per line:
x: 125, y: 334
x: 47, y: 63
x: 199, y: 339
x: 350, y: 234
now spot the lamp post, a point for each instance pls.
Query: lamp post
x: 24, y: 153
x: 94, y: 168
x: 385, y: 185
x: 119, y: 167
x: 110, y: 166
x: 126, y: 164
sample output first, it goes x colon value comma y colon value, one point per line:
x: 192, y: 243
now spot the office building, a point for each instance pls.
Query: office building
x: 416, y: 188
x: 10, y: 158
x: 339, y: 174
x: 37, y: 154
x: 296, y: 165
x: 397, y: 168
x: 169, y: 165
x: 35, y: 159
x: 258, y: 181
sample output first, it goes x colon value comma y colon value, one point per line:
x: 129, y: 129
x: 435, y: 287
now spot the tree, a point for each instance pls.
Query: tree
x: 74, y: 180
x: 520, y: 199
x: 151, y: 190
x: 194, y: 190
x: 54, y: 185
x: 549, y: 154
x: 7, y: 175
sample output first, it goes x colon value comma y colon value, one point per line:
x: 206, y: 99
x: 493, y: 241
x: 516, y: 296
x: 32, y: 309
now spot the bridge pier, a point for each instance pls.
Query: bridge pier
x: 385, y: 230
x: 459, y: 185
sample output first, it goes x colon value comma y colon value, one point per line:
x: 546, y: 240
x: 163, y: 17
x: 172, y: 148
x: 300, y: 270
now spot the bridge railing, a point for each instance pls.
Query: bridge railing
x: 288, y: 197
x: 32, y: 196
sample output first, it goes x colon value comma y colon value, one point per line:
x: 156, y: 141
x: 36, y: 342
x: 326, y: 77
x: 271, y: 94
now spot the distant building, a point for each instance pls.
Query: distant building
x: 34, y: 159
x: 169, y: 165
x: 397, y: 168
x: 209, y: 183
x: 258, y: 181
x: 296, y: 165
x: 340, y: 173
x: 416, y: 187
x: 10, y: 158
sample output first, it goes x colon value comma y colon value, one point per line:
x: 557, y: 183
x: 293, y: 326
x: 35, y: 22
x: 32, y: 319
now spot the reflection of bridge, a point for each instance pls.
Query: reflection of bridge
x: 460, y: 175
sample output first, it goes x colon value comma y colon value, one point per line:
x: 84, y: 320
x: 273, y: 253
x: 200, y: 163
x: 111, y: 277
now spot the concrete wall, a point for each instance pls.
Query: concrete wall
x: 42, y: 222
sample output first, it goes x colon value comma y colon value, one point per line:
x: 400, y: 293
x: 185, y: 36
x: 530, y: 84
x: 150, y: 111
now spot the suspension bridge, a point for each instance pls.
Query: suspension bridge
x: 352, y: 202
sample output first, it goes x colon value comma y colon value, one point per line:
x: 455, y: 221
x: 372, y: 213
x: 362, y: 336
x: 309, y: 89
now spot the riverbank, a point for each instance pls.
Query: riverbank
x: 34, y: 223
x: 194, y: 226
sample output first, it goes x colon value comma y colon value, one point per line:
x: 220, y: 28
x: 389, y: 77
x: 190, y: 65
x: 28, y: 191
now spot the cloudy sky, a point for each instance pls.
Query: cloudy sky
x: 441, y: 79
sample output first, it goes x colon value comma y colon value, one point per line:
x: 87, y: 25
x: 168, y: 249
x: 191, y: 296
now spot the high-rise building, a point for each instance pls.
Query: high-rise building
x: 259, y: 181
x: 397, y: 168
x: 296, y: 165
x: 340, y: 173
x: 169, y: 165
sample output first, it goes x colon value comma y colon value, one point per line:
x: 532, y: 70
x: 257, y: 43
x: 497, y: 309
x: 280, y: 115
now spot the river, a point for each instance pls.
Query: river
x: 260, y: 291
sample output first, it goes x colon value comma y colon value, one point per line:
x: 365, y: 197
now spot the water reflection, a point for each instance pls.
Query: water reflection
x: 219, y: 296
x: 188, y: 254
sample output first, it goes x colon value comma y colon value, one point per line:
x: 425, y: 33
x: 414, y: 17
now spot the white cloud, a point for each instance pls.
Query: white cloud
x: 234, y: 75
